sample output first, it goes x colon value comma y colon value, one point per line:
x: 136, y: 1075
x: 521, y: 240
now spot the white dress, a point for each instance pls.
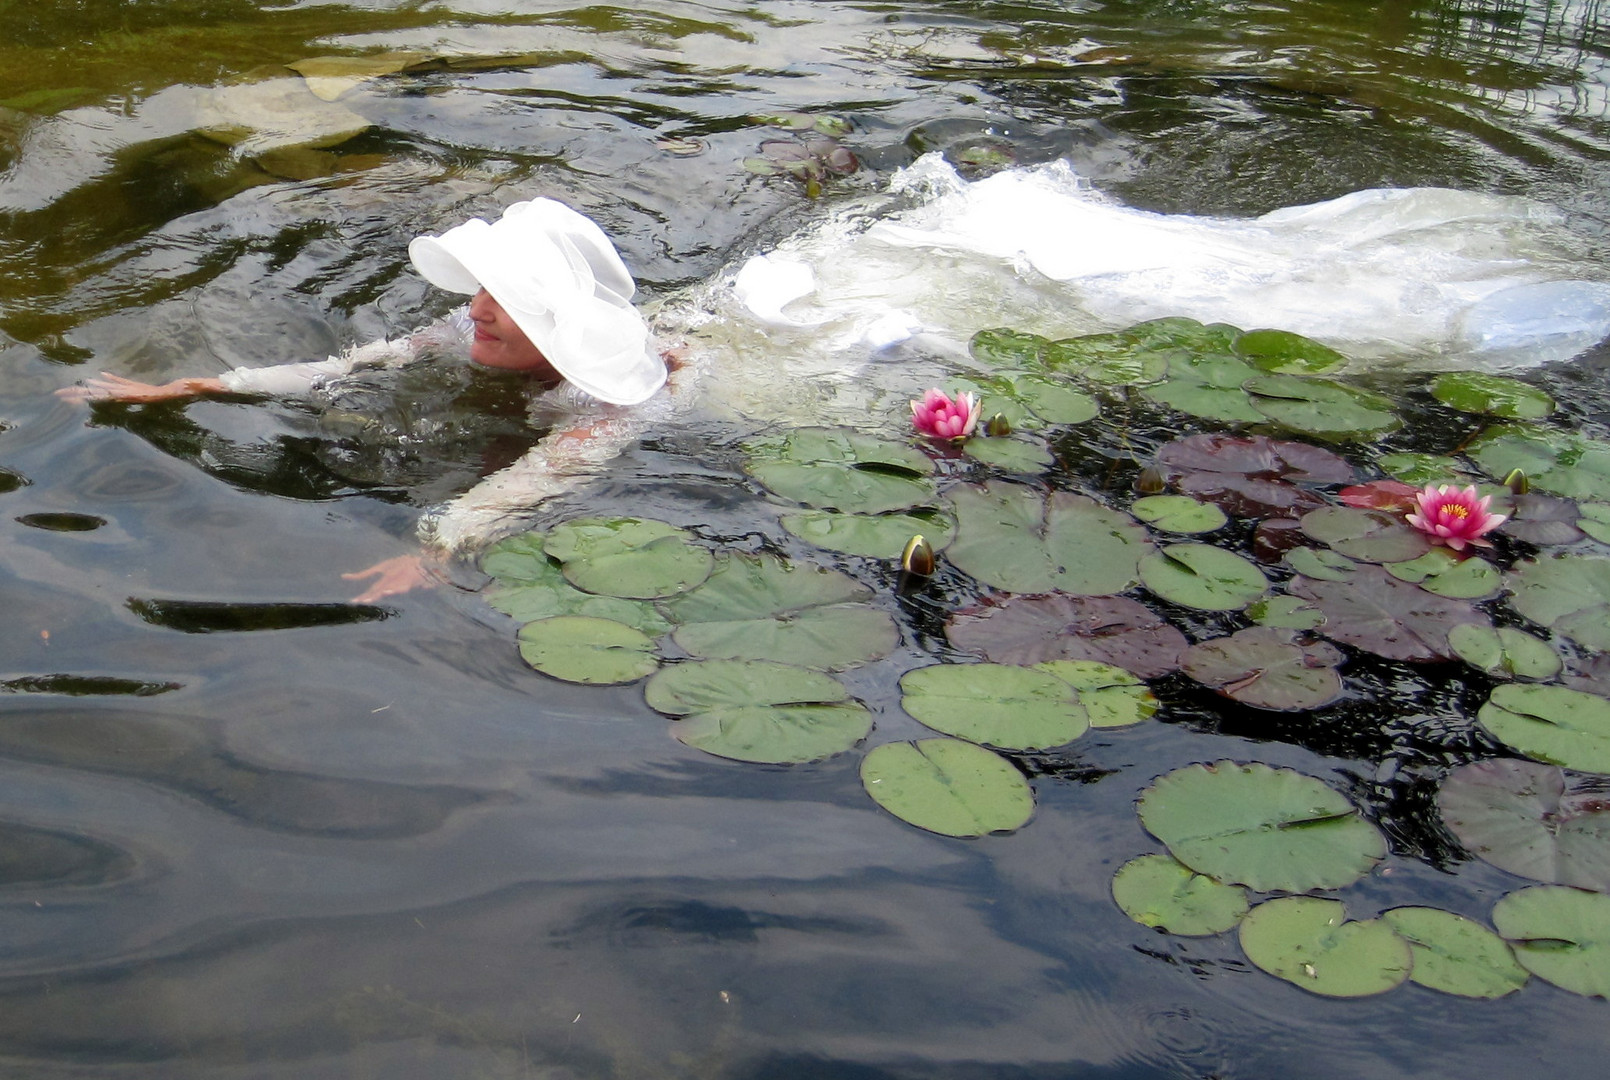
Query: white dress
x: 588, y: 434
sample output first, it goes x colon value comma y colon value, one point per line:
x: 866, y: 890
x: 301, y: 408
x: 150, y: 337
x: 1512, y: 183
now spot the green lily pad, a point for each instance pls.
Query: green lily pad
x: 1531, y: 819
x: 761, y: 608
x: 528, y: 586
x: 1261, y: 827
x: 1208, y: 386
x: 1595, y: 521
x: 1422, y: 469
x: 1013, y: 453
x: 1504, y: 652
x: 1036, y: 629
x: 1285, y: 353
x: 1456, y: 955
x: 1116, y: 359
x: 1555, y: 724
x: 628, y: 557
x: 1016, y: 539
x: 1321, y: 564
x: 1321, y: 407
x: 1374, y: 611
x: 948, y: 786
x: 1267, y: 668
x: 1159, y: 892
x: 1014, y: 708
x: 1203, y: 576
x: 1049, y: 398
x: 582, y: 649
x: 1569, y: 594
x: 1112, y: 697
x: 1495, y: 395
x: 1285, y: 613
x: 1309, y: 942
x: 1365, y: 535
x: 1559, y: 934
x: 1009, y: 348
x: 1178, y: 514
x: 1442, y: 572
x: 1558, y: 461
x: 757, y: 710
x: 838, y: 469
x: 874, y: 536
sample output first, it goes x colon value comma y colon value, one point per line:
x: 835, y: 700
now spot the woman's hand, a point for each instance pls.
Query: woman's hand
x: 394, y: 576
x: 109, y: 387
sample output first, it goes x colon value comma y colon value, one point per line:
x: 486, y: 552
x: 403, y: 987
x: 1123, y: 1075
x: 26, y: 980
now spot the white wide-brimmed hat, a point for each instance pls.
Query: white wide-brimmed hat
x: 561, y: 280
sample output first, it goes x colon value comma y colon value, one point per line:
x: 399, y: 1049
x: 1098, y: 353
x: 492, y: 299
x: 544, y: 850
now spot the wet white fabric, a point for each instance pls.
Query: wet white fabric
x: 1427, y: 277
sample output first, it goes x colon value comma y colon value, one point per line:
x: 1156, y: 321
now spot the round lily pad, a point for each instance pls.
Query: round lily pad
x: 1495, y: 395
x: 1111, y: 696
x: 1016, y: 539
x: 1203, y: 576
x: 1159, y: 892
x: 756, y: 710
x: 1541, y: 519
x: 1559, y: 934
x: 1267, y: 668
x: 1321, y: 407
x: 874, y: 536
x: 1266, y: 828
x: 1014, y: 708
x: 838, y: 469
x: 1321, y: 564
x: 1178, y: 514
x: 948, y: 786
x: 1570, y: 594
x: 1595, y: 521
x: 1531, y: 819
x: 1392, y: 495
x: 1504, y: 652
x: 629, y: 557
x: 1442, y: 572
x: 1365, y: 535
x: 1286, y: 613
x: 1049, y: 398
x: 1376, y: 612
x: 528, y: 586
x: 1208, y: 386
x: 1422, y: 469
x: 579, y: 648
x: 1562, y: 462
x: 1309, y: 942
x: 1250, y: 476
x: 1286, y: 353
x: 1456, y: 955
x: 1553, y: 724
x: 761, y: 608
x: 1013, y: 453
x: 1034, y: 629
x: 1004, y: 347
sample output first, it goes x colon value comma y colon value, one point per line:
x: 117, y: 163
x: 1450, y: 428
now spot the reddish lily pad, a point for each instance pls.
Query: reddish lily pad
x: 1376, y: 612
x: 1544, y: 520
x: 1034, y: 629
x: 1251, y: 476
x: 1380, y: 495
x: 1532, y: 819
x: 1267, y: 668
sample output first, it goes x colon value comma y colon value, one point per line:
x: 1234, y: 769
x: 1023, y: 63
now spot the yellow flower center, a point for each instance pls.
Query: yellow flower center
x: 1457, y: 510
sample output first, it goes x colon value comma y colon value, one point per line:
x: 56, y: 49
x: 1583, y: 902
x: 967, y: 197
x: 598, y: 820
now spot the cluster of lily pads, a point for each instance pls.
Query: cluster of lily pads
x: 1256, y: 561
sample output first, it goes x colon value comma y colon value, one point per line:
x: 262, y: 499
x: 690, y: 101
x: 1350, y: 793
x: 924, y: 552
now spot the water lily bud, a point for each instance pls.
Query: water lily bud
x: 918, y: 558
x: 998, y: 427
x: 1516, y: 482
x: 1150, y: 481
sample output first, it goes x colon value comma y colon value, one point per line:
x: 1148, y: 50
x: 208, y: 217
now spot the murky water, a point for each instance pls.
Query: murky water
x: 252, y: 831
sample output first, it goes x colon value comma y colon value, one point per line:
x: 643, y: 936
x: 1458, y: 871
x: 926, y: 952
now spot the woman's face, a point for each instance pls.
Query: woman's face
x: 499, y: 343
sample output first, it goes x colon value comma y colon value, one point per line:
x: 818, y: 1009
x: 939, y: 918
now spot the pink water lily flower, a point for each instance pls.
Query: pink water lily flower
x: 944, y: 418
x: 1455, y: 516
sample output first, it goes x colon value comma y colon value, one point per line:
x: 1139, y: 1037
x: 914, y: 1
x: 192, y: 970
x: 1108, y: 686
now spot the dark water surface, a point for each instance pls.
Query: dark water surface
x: 251, y: 831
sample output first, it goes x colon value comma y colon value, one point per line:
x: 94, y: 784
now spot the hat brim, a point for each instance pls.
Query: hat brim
x: 558, y: 277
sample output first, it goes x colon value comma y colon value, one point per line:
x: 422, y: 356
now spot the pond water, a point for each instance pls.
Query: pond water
x: 252, y: 831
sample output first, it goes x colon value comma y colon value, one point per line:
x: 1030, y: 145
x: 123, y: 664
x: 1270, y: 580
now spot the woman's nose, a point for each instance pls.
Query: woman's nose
x: 481, y: 306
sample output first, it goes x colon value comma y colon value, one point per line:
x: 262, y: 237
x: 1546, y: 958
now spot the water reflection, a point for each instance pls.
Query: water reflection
x: 385, y: 847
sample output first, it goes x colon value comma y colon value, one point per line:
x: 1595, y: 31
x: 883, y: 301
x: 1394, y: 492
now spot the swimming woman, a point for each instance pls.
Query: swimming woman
x: 550, y: 299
